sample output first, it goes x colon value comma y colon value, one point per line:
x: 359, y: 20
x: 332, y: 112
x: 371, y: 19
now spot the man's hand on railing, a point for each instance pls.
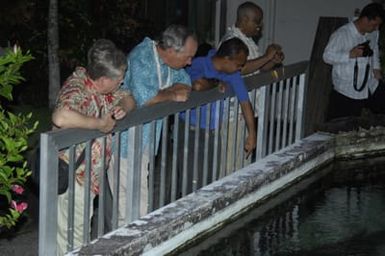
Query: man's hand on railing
x: 125, y: 105
x: 106, y: 123
x: 118, y: 113
x: 177, y: 92
x: 181, y: 92
x: 274, y: 55
x: 271, y: 51
x: 278, y: 57
x: 250, y: 144
x: 204, y: 84
x: 222, y: 86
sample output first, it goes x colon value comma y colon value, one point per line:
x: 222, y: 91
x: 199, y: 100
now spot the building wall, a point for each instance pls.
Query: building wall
x: 293, y: 23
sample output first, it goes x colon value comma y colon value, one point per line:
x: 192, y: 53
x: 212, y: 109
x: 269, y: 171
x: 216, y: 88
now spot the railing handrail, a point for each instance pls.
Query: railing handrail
x: 139, y: 116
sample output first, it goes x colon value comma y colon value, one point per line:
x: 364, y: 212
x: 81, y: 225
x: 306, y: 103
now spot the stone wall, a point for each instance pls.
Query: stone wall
x: 363, y: 143
x: 169, y: 227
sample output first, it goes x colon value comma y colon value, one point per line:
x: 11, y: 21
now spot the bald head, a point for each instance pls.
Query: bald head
x: 247, y: 9
x: 249, y: 19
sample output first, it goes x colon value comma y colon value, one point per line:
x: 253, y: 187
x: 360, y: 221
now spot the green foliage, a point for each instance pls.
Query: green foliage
x: 10, y: 65
x: 14, y: 132
x: 9, y: 220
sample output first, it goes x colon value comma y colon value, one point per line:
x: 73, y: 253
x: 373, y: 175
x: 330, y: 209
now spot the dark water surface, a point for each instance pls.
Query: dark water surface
x: 342, y: 213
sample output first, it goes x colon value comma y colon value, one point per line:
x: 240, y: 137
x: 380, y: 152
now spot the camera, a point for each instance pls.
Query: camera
x: 366, y: 50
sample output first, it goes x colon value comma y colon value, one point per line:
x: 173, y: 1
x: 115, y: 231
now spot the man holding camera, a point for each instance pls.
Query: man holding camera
x: 353, y: 52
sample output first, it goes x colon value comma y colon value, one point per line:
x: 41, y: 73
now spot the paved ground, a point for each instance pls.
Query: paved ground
x: 24, y: 240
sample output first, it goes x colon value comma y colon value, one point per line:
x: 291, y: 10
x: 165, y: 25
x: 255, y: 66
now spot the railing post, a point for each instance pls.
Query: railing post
x: 134, y: 173
x: 224, y: 133
x: 278, y: 133
x: 48, y: 196
x: 262, y: 118
x: 293, y: 91
x: 87, y: 194
x: 115, y: 172
x: 103, y: 191
x: 300, y: 105
x: 163, y: 165
x: 216, y: 153
x: 272, y: 119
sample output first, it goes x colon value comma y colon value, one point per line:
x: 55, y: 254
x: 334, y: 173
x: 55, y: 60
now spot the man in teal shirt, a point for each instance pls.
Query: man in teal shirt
x: 155, y: 74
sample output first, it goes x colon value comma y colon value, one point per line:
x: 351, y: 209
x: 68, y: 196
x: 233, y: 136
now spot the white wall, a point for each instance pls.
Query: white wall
x: 293, y: 23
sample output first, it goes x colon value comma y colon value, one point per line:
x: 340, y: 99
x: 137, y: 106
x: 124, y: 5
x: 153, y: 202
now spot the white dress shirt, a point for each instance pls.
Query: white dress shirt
x: 337, y: 54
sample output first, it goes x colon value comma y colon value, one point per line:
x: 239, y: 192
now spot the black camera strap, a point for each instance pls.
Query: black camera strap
x: 355, y: 76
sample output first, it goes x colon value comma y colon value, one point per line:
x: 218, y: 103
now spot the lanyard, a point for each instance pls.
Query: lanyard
x: 355, y: 76
x: 161, y: 85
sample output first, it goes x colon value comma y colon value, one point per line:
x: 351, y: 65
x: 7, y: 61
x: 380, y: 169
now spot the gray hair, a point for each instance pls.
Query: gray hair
x: 175, y: 36
x: 104, y: 59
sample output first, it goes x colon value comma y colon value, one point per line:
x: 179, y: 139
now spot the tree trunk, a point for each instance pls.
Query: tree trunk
x: 53, y: 58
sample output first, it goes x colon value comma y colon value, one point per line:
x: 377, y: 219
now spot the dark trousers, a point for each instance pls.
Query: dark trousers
x: 342, y: 106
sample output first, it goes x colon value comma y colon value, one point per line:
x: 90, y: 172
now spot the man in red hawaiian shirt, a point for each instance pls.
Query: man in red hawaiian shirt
x: 90, y: 98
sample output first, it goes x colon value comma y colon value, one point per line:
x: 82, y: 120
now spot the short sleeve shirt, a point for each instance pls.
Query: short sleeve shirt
x: 79, y: 94
x: 202, y: 67
x: 146, y: 75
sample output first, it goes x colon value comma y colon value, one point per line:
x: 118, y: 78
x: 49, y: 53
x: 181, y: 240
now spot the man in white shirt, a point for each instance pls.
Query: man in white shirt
x: 356, y: 66
x: 249, y: 25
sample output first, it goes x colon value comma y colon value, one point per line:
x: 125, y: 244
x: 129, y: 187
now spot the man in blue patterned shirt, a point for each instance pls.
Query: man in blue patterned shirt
x: 155, y: 74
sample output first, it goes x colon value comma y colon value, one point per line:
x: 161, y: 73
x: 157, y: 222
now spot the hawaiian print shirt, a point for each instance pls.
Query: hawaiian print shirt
x: 79, y: 94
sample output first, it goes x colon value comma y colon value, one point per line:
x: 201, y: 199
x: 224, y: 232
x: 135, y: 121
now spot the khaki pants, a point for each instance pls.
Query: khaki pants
x: 125, y: 168
x: 236, y: 129
x: 62, y: 239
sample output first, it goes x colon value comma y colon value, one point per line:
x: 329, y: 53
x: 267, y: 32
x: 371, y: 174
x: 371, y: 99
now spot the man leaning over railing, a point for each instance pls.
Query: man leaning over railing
x: 223, y: 65
x: 90, y: 98
x: 155, y: 74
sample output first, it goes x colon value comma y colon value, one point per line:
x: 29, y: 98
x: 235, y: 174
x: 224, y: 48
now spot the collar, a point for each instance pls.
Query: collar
x: 236, y: 31
x: 90, y: 85
x: 354, y: 29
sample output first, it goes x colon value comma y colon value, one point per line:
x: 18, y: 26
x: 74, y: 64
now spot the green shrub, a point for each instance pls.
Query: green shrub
x: 14, y: 132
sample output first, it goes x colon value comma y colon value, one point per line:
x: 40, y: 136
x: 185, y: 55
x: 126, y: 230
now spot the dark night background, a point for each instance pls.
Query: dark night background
x: 125, y: 22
